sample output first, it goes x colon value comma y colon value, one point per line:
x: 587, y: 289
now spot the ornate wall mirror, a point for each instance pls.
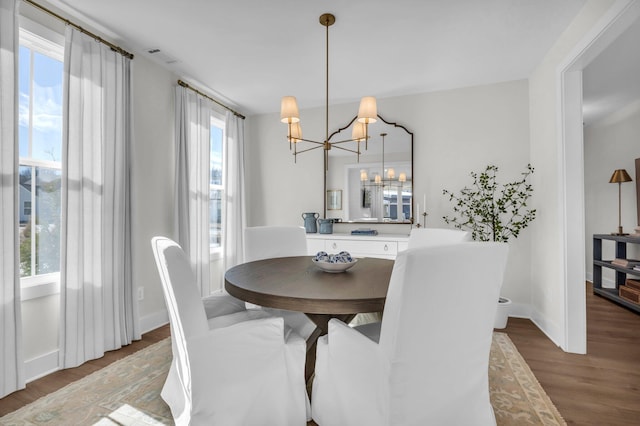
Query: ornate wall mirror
x: 377, y: 187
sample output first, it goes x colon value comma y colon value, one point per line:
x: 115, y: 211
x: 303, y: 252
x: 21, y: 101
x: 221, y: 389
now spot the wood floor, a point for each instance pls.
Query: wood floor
x: 601, y: 388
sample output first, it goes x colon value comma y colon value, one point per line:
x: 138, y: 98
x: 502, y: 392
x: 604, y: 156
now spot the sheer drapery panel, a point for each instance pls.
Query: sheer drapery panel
x: 11, y: 362
x: 193, y: 132
x: 98, y: 307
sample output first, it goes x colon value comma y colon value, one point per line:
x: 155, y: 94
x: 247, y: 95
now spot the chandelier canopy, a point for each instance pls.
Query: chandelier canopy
x: 289, y: 114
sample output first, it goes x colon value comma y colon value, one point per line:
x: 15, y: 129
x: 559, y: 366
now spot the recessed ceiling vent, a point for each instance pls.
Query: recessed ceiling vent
x: 157, y: 53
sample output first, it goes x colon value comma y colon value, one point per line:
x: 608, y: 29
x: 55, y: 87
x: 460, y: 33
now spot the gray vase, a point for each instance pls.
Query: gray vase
x: 310, y: 224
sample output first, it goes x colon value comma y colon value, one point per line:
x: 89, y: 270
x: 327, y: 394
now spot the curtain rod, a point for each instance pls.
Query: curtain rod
x: 236, y: 113
x: 79, y: 28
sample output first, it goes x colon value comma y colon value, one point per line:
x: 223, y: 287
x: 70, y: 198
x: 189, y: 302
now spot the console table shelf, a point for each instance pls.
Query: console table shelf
x: 621, y: 272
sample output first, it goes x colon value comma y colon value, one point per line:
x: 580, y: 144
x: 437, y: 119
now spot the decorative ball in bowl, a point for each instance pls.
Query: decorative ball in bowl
x: 334, y: 263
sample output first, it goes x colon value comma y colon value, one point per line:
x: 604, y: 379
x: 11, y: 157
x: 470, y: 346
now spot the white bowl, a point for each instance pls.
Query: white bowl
x: 334, y: 268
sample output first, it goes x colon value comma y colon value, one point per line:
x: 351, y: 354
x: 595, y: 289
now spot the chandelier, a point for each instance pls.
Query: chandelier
x: 367, y: 113
x: 386, y: 178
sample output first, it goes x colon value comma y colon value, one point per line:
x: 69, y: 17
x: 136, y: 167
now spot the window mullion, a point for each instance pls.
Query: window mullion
x: 32, y: 220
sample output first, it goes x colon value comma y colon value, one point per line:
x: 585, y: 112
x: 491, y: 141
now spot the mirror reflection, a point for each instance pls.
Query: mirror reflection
x: 379, y: 187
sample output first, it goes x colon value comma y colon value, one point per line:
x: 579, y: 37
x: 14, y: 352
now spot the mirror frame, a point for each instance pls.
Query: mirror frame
x: 390, y: 123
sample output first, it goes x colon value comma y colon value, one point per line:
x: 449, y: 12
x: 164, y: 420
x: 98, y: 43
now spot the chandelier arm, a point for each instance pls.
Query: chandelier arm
x: 309, y: 149
x: 344, y: 141
x: 346, y: 149
x: 310, y: 141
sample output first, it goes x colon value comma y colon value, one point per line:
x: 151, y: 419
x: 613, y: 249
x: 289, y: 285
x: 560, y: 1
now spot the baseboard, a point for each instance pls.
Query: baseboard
x: 153, y: 321
x: 41, y: 366
x: 520, y: 310
x: 549, y: 329
x: 606, y: 282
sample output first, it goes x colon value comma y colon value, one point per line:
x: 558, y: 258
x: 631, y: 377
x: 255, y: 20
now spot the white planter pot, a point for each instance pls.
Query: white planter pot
x: 502, y: 313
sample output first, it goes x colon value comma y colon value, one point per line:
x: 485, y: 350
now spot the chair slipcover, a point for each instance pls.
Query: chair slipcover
x: 423, y: 237
x: 235, y: 369
x: 430, y: 365
x: 264, y: 242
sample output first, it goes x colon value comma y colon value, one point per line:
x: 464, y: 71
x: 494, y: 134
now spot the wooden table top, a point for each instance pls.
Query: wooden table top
x: 296, y: 284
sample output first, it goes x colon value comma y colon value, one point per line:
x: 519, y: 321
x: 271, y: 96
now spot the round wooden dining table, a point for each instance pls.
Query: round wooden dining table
x: 297, y: 284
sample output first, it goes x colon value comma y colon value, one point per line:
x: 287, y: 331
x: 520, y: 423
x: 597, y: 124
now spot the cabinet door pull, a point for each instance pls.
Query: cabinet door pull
x: 386, y: 247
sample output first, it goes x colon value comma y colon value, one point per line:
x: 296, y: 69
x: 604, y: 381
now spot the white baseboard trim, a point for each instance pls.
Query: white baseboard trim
x: 520, y: 310
x: 606, y: 282
x: 41, y: 366
x: 153, y: 321
x: 46, y: 364
x: 549, y: 329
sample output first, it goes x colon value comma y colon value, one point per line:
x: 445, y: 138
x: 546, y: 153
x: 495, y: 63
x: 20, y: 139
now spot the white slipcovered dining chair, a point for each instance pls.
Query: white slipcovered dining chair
x: 427, y: 362
x: 243, y: 368
x: 264, y: 242
x: 423, y: 237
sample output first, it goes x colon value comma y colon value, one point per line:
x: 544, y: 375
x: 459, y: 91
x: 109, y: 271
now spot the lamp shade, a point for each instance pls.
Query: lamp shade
x: 391, y: 173
x: 378, y: 179
x: 620, y: 176
x: 359, y: 132
x: 363, y: 176
x: 368, y: 111
x: 289, y: 110
x: 402, y: 177
x: 296, y: 132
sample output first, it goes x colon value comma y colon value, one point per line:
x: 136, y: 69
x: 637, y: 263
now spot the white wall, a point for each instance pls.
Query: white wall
x: 152, y: 180
x: 547, y: 257
x: 610, y: 144
x: 455, y: 132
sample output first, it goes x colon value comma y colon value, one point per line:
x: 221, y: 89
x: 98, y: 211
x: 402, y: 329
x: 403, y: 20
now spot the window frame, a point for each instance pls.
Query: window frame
x: 44, y: 41
x: 216, y: 120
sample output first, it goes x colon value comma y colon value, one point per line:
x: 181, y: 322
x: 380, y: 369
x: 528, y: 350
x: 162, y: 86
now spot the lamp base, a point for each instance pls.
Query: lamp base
x: 620, y: 232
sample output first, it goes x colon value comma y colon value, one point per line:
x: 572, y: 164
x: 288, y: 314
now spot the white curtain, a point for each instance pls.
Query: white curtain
x: 233, y: 207
x: 193, y: 131
x: 11, y: 362
x: 98, y: 307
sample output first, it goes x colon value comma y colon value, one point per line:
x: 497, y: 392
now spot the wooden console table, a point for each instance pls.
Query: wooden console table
x: 621, y: 242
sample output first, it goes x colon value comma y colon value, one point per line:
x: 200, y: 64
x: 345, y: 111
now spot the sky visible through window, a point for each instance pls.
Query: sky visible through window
x: 40, y: 105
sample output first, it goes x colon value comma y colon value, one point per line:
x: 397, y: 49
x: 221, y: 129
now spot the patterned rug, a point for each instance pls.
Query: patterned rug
x: 127, y: 392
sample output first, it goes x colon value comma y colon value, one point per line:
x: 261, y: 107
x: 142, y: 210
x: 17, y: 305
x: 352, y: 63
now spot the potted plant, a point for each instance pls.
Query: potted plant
x: 493, y: 212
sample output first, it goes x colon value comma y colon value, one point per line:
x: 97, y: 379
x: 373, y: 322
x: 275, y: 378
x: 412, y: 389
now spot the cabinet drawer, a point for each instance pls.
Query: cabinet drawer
x: 363, y: 248
x: 314, y: 246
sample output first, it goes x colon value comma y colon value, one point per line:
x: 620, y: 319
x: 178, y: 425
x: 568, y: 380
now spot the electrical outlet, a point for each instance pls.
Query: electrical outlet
x: 140, y: 293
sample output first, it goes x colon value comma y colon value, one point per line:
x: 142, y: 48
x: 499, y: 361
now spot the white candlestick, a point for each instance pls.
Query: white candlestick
x: 425, y: 202
x: 418, y: 212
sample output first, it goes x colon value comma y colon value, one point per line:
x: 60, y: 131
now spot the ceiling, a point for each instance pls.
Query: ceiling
x: 611, y: 81
x: 249, y: 53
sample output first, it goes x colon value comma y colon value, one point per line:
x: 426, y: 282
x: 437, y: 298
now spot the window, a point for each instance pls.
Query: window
x: 216, y: 188
x: 40, y: 75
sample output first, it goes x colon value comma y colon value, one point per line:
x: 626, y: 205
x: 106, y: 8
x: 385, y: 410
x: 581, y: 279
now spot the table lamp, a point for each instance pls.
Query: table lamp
x: 618, y: 177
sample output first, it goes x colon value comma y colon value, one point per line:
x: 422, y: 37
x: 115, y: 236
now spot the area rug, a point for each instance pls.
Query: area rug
x: 127, y: 392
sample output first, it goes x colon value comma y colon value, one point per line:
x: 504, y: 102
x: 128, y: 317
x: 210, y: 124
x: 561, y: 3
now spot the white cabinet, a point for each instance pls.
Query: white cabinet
x: 384, y: 246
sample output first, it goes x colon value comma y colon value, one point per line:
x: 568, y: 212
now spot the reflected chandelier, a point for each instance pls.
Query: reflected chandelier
x: 367, y: 113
